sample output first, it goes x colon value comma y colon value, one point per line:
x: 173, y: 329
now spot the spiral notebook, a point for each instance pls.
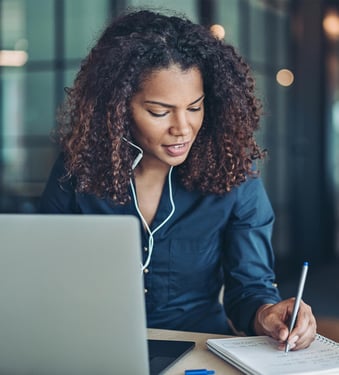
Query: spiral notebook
x: 258, y: 355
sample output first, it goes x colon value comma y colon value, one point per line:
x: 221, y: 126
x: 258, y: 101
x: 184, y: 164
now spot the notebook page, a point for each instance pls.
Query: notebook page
x: 259, y: 354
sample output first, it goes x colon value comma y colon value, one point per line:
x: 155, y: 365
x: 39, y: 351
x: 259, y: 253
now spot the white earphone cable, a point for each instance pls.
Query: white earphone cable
x: 151, y: 233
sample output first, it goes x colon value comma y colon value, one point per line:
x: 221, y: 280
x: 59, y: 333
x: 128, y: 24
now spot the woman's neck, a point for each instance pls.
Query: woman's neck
x: 152, y: 171
x: 149, y: 185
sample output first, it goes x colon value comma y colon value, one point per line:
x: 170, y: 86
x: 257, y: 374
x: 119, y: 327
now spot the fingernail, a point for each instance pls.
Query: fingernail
x: 293, y: 340
x: 293, y: 345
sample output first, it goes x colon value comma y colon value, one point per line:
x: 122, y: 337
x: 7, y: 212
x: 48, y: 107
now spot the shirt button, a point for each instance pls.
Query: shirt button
x: 146, y: 270
x: 145, y: 248
x: 146, y: 290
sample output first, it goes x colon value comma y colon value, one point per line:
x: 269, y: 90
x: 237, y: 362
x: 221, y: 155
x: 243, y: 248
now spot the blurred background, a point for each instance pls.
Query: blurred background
x: 293, y: 49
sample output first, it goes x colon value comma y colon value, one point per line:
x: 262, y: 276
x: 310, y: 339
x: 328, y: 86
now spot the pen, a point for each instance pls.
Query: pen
x: 297, y: 301
x: 201, y: 371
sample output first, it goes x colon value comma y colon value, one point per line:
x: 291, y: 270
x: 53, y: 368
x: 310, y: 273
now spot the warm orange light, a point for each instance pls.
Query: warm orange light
x: 13, y: 58
x: 331, y: 24
x: 218, y: 31
x: 285, y: 77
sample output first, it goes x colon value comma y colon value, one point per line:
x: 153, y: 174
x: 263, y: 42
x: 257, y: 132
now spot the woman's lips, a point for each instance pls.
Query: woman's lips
x: 177, y: 149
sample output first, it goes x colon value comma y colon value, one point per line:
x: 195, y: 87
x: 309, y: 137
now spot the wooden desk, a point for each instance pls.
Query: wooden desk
x: 199, y: 357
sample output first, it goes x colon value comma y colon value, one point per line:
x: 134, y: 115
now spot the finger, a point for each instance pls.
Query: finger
x: 304, y: 342
x: 306, y: 338
x: 305, y: 321
x: 291, y: 343
x: 304, y: 330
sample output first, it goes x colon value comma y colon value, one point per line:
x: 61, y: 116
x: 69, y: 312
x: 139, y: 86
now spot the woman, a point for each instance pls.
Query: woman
x: 160, y: 124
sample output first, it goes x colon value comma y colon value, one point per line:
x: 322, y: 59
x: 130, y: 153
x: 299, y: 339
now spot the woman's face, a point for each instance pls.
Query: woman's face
x: 168, y: 112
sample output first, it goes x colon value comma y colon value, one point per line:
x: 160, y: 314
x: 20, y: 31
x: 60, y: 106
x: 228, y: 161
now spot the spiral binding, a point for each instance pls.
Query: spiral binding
x: 326, y: 340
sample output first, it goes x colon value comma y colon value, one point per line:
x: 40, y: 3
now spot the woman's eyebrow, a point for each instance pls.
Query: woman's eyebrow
x: 170, y: 105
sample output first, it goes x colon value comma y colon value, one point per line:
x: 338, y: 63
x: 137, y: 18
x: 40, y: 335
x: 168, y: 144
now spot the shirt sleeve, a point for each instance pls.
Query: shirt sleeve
x: 59, y: 194
x: 248, y: 259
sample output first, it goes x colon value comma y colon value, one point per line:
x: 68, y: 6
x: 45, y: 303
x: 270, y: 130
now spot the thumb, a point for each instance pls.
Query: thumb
x: 282, y: 333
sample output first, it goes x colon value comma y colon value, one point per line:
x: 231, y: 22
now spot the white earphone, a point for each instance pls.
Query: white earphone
x: 150, y: 232
x: 139, y: 156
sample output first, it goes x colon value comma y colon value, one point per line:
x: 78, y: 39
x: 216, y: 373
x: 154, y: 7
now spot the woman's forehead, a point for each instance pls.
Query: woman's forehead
x: 166, y: 82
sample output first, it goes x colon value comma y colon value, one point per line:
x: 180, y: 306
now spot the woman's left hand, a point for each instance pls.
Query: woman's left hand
x: 273, y: 320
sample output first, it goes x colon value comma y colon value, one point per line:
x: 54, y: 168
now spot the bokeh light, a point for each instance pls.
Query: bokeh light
x: 285, y: 77
x: 218, y: 31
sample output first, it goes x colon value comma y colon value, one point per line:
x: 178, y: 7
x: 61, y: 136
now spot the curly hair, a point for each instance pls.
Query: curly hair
x: 96, y: 114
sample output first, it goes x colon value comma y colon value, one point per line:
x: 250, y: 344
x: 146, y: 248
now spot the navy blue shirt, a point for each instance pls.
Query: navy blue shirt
x: 210, y: 241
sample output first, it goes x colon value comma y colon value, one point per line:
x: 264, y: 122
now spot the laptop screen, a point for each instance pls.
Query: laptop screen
x: 71, y: 295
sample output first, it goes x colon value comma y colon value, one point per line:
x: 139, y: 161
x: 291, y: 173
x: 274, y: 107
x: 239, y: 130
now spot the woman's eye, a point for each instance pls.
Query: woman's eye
x: 157, y: 114
x: 195, y: 109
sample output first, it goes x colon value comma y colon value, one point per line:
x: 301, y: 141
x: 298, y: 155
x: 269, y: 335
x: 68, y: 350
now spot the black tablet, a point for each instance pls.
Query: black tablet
x: 164, y: 353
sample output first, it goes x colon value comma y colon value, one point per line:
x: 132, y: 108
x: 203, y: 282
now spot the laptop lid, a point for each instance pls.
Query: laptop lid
x: 71, y: 298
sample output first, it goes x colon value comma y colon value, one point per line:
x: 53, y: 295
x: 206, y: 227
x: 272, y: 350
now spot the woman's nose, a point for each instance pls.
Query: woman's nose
x: 180, y: 125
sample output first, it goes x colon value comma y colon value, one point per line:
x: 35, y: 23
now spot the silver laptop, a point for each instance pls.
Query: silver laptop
x: 71, y: 296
